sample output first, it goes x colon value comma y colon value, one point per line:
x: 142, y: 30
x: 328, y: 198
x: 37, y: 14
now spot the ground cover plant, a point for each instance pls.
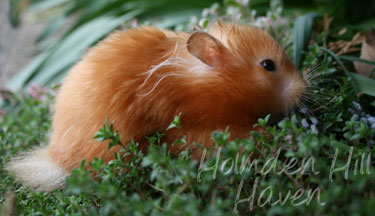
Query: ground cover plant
x: 317, y: 160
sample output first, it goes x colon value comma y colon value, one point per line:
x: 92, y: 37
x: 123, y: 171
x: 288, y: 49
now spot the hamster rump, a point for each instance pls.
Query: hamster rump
x: 141, y: 78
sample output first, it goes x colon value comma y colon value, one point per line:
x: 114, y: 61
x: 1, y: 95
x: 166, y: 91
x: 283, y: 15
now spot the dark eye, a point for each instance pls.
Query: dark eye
x: 268, y: 65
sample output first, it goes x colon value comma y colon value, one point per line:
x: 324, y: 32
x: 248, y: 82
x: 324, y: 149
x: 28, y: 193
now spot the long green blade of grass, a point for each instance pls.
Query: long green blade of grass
x: 360, y: 83
x: 19, y: 80
x: 351, y: 58
x: 302, y: 34
x: 46, y: 67
x: 96, y: 20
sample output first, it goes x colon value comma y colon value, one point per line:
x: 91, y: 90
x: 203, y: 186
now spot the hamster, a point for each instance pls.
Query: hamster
x: 142, y: 78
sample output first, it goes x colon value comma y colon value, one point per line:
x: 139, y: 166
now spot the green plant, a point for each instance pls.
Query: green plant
x: 316, y: 161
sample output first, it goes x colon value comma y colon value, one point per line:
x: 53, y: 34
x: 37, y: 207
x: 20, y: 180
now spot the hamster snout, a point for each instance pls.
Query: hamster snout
x: 292, y: 90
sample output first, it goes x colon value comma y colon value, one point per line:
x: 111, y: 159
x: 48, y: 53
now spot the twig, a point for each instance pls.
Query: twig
x: 143, y: 197
x: 156, y: 188
x: 321, y: 107
x: 293, y: 179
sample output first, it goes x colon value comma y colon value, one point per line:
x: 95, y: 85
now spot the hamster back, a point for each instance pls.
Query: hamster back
x: 141, y: 78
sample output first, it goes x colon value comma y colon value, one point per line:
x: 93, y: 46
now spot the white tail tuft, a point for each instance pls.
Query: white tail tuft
x: 36, y: 170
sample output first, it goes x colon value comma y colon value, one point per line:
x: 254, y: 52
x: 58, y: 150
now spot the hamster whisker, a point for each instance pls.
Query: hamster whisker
x: 306, y: 110
x: 308, y: 97
x: 309, y: 71
x: 311, y: 104
x: 305, y: 98
x: 317, y: 79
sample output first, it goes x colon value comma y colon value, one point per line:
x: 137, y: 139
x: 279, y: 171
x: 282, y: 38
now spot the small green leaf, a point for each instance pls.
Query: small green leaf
x: 262, y: 122
x: 176, y: 123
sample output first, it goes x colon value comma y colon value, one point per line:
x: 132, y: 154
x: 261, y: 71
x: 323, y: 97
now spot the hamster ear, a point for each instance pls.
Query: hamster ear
x: 206, y: 48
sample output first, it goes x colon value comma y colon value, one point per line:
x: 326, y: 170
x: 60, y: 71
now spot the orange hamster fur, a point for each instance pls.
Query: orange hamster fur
x: 141, y: 78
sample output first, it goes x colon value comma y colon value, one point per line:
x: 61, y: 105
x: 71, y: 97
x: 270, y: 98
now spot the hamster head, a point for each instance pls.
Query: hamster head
x: 250, y: 60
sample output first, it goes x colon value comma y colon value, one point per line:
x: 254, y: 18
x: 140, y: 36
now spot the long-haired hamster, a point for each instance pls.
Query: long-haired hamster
x: 141, y: 78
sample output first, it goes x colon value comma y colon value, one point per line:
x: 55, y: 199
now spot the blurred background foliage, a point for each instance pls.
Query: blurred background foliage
x: 94, y: 19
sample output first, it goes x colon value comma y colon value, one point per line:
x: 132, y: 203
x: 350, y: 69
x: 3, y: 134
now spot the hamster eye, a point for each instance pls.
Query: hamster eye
x: 268, y: 65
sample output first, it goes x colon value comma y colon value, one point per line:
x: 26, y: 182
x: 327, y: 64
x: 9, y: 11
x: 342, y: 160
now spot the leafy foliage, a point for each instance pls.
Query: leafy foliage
x: 316, y: 161
x: 261, y: 178
x: 98, y: 18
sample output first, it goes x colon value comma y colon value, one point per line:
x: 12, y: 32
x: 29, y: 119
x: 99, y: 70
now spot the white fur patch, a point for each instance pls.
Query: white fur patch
x: 186, y: 67
x: 36, y: 170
